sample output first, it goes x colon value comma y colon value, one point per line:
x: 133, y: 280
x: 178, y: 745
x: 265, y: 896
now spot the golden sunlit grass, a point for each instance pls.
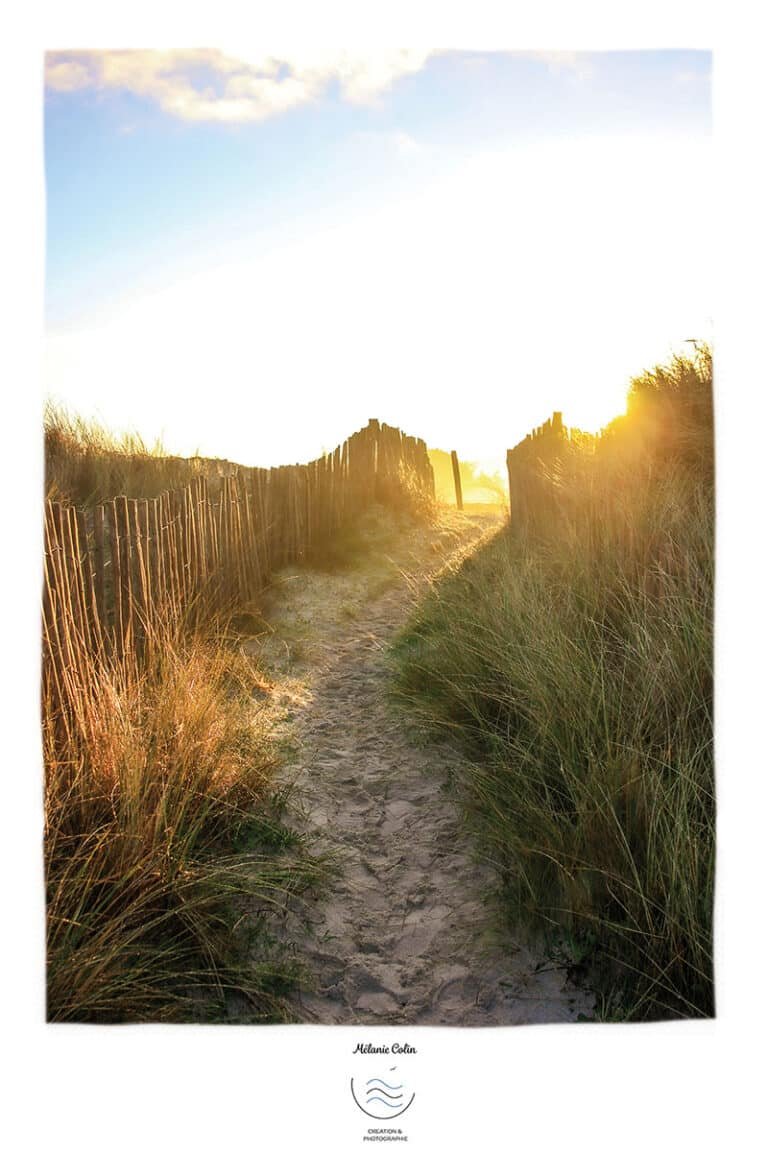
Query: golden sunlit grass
x: 165, y: 856
x: 86, y: 463
x: 164, y: 850
x: 574, y: 657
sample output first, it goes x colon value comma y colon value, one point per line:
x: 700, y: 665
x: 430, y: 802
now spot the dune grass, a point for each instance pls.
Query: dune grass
x: 165, y: 855
x: 573, y: 657
x: 86, y: 463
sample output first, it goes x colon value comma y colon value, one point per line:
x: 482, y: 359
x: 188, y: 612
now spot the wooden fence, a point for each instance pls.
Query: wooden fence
x: 534, y: 466
x: 114, y: 571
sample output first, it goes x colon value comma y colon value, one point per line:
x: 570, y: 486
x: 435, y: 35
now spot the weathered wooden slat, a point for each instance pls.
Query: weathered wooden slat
x: 160, y: 583
x: 202, y: 530
x: 171, y: 553
x: 149, y: 554
x: 96, y: 642
x: 117, y: 587
x: 223, y: 531
x: 191, y: 541
x: 141, y: 583
x: 251, y: 555
x: 99, y: 565
x: 126, y: 575
x: 71, y: 601
x: 180, y: 547
x: 197, y: 534
x: 81, y: 609
x: 457, y: 480
x: 213, y: 525
x: 54, y: 654
x: 241, y: 577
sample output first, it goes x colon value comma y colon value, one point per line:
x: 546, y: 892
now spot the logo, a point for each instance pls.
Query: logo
x: 382, y: 1097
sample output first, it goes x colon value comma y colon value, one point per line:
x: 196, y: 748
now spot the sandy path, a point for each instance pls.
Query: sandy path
x: 406, y: 933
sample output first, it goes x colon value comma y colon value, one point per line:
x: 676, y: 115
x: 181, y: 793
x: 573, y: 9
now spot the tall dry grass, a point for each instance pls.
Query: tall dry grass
x: 85, y: 463
x: 165, y: 856
x: 574, y: 659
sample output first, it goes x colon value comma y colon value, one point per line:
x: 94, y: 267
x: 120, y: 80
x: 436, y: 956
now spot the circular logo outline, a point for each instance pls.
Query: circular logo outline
x: 371, y: 1114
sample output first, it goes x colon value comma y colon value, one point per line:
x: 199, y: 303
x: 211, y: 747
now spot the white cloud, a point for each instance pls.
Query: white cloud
x: 66, y: 75
x: 237, y: 86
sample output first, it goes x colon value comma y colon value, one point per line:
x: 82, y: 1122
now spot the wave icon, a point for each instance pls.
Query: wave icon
x: 381, y: 1099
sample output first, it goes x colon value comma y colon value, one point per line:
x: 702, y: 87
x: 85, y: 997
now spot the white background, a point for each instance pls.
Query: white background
x: 681, y: 1085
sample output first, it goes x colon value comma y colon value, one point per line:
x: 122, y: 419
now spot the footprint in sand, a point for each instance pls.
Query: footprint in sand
x: 406, y: 928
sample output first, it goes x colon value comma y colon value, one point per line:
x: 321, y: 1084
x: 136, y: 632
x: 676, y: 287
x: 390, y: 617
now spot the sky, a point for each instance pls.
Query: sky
x: 250, y: 256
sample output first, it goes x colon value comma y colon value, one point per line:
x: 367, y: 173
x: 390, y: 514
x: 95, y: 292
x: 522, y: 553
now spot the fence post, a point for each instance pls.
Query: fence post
x: 511, y: 482
x: 457, y: 481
